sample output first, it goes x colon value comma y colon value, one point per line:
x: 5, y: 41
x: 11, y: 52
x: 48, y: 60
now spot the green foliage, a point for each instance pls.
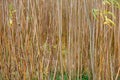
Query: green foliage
x: 114, y: 3
x: 108, y: 21
x: 10, y: 6
x: 34, y: 78
x: 95, y: 13
x: 11, y: 12
x: 59, y: 76
x: 84, y: 77
x: 65, y: 76
x: 105, y: 13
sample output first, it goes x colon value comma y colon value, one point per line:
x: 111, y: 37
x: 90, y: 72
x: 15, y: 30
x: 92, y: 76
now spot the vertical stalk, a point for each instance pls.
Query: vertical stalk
x: 60, y: 34
x: 91, y: 29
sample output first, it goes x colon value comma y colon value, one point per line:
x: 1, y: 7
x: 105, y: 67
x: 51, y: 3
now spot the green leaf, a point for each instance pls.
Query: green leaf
x: 95, y: 13
x: 109, y: 22
x: 10, y: 6
x: 109, y: 13
x: 106, y: 2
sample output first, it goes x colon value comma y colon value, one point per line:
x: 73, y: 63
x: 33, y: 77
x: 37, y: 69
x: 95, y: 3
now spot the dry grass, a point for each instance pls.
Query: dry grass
x: 43, y: 37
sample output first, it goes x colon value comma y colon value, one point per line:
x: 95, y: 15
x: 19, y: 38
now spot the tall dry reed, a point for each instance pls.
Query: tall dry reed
x: 40, y: 38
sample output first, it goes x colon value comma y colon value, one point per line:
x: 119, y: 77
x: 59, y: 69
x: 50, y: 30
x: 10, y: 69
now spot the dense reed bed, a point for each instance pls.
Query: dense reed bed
x: 58, y: 40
